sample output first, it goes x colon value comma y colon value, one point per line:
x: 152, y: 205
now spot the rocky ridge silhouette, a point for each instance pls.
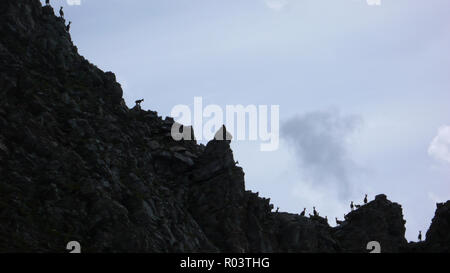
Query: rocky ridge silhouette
x: 78, y: 164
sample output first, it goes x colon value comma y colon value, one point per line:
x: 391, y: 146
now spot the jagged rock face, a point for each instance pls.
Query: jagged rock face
x: 301, y: 234
x: 77, y: 164
x: 380, y: 220
x: 216, y: 193
x: 438, y: 236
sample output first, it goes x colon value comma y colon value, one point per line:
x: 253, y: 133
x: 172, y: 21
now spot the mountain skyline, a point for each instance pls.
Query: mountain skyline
x: 385, y: 64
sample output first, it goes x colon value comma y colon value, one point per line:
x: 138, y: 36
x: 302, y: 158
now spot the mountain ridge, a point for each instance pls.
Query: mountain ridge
x: 78, y: 164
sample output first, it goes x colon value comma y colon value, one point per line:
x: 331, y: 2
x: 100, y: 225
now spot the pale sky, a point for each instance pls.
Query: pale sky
x: 363, y: 90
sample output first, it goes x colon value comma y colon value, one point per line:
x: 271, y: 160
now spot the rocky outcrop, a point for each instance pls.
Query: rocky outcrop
x: 380, y: 220
x: 77, y: 164
x: 438, y: 236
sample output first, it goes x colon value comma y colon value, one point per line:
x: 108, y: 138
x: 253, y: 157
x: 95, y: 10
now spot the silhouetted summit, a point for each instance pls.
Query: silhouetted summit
x: 78, y: 165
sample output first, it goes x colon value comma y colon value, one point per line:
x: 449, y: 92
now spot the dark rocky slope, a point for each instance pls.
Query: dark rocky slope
x: 77, y: 164
x: 438, y: 236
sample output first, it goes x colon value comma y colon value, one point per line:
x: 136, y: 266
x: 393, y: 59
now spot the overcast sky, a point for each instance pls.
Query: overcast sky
x: 363, y: 90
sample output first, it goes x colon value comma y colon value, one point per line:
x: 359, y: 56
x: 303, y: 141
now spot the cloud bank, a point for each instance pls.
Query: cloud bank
x: 440, y: 146
x: 320, y: 141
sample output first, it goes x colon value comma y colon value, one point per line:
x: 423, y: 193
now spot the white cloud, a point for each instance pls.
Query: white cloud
x: 440, y: 146
x: 74, y: 2
x: 276, y: 5
x: 435, y: 198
